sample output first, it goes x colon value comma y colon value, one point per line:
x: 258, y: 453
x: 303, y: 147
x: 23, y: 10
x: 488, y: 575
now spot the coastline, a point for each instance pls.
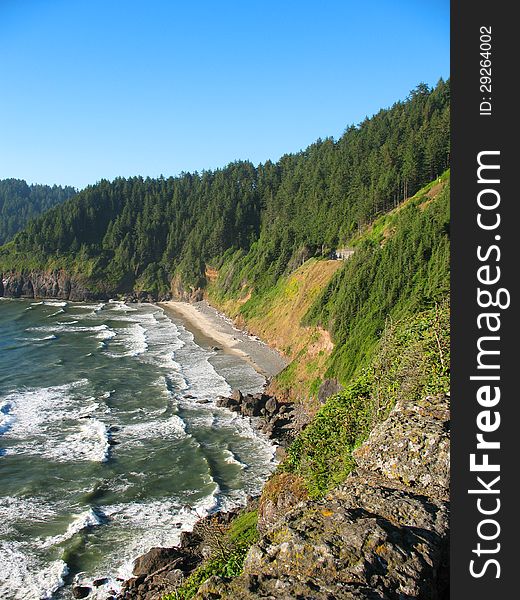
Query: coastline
x: 208, y: 330
x: 212, y: 329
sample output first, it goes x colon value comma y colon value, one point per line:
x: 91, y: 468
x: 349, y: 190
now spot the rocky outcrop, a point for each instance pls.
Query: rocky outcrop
x: 383, y: 534
x: 180, y: 291
x: 60, y: 285
x: 50, y: 284
x: 161, y: 570
x: 144, y: 296
x: 275, y: 419
x: 412, y: 447
x: 328, y: 388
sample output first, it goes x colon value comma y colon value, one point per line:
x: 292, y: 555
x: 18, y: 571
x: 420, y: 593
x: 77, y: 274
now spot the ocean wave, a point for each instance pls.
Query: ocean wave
x: 54, y: 303
x: 171, y: 428
x: 106, y: 334
x: 89, y: 443
x: 6, y: 418
x: 19, y: 510
x: 133, y: 340
x: 54, y: 314
x: 39, y: 339
x: 158, y: 523
x: 93, y: 307
x: 85, y: 520
x: 62, y: 328
x: 231, y: 459
x: 25, y: 577
x: 32, y: 407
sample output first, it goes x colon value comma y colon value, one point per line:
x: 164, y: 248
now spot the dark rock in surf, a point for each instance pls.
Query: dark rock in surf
x: 236, y: 396
x: 81, y: 591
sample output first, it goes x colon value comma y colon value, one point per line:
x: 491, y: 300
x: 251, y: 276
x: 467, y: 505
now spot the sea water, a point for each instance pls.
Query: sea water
x: 111, y: 441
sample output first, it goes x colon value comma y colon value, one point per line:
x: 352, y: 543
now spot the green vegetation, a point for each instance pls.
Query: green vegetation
x: 225, y: 562
x: 412, y: 361
x: 254, y: 224
x: 19, y: 203
x: 396, y: 271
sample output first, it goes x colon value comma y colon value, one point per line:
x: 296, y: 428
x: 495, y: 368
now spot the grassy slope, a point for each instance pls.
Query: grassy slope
x: 276, y: 317
x: 327, y: 316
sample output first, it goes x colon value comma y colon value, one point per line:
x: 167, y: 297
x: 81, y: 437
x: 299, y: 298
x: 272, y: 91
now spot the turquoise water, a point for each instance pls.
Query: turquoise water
x: 110, y: 441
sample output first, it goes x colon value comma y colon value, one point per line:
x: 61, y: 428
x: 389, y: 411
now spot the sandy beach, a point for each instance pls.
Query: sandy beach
x: 212, y: 329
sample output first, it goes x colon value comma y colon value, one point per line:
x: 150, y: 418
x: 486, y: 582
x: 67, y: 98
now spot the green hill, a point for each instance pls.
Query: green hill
x: 143, y: 234
x: 20, y: 202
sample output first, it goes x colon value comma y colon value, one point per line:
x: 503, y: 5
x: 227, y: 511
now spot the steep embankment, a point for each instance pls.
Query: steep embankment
x: 327, y: 316
x: 276, y: 317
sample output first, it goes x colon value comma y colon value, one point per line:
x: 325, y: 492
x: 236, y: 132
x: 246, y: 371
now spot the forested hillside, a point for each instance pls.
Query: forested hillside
x: 328, y: 315
x: 140, y: 234
x: 19, y: 203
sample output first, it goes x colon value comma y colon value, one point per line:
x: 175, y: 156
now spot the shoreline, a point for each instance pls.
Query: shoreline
x: 213, y: 329
x: 208, y: 328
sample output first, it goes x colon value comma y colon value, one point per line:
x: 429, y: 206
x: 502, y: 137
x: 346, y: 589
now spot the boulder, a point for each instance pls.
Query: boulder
x: 271, y: 405
x: 251, y: 407
x: 81, y: 591
x: 328, y: 388
x: 156, y: 559
x: 236, y: 396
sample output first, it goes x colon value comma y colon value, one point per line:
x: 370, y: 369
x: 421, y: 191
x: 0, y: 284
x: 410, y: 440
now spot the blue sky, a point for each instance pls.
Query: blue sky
x: 94, y: 89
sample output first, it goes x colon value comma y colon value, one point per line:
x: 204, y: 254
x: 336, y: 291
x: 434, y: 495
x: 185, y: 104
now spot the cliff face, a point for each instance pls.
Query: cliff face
x: 383, y: 534
x: 60, y: 285
x: 50, y: 284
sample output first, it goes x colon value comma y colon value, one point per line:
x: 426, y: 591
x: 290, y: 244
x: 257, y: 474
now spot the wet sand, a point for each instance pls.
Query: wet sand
x: 212, y: 329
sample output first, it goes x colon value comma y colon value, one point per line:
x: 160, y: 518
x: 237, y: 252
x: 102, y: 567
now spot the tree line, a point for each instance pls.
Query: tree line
x: 138, y: 233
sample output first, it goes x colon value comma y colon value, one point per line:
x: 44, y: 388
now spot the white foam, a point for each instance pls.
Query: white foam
x: 106, y: 334
x: 6, y: 418
x: 24, y: 577
x: 157, y: 523
x: 20, y: 510
x: 62, y: 328
x: 56, y: 313
x: 89, y: 442
x: 54, y: 303
x: 93, y: 307
x: 85, y: 520
x: 231, y: 459
x: 35, y: 408
x: 171, y: 428
x: 47, y: 422
x: 133, y: 340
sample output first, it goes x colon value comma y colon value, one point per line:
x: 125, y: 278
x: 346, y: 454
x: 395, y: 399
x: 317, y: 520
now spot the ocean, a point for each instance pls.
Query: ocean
x: 110, y: 441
